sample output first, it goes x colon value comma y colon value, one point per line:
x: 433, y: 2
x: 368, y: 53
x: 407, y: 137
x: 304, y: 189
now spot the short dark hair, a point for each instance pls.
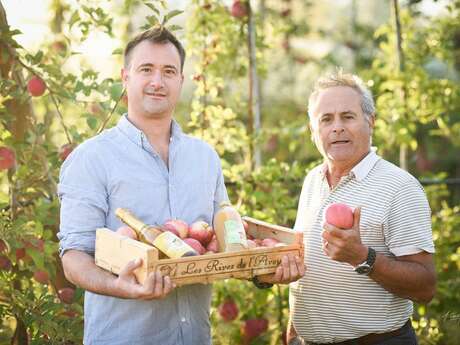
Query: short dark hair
x: 157, y: 34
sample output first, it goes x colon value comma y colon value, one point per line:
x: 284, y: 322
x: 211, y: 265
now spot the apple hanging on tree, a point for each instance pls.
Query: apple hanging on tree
x: 239, y: 9
x: 65, y: 150
x: 36, y: 86
x: 7, y: 158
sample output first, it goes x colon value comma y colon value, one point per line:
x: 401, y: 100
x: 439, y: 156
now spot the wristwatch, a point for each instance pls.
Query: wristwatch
x: 366, y: 266
x: 261, y: 285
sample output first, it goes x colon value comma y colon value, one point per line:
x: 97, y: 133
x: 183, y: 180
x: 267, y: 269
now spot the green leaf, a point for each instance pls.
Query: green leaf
x: 174, y: 27
x: 152, y: 20
x: 92, y: 122
x: 75, y: 17
x: 116, y: 91
x: 37, y: 257
x: 117, y: 51
x: 153, y: 8
x: 171, y: 15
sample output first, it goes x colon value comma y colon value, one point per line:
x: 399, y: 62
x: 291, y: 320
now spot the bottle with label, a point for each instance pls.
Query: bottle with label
x: 168, y: 243
x: 229, y: 229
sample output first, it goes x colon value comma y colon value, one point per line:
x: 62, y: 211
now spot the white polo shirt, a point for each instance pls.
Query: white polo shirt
x: 332, y: 303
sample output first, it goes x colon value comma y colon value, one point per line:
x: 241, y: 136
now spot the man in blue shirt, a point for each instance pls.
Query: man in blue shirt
x: 146, y: 164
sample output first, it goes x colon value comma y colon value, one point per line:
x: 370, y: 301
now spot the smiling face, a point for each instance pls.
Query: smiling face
x: 153, y: 80
x: 340, y: 129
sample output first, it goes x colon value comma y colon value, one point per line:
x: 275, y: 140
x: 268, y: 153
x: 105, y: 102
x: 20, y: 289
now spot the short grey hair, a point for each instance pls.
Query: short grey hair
x: 344, y: 79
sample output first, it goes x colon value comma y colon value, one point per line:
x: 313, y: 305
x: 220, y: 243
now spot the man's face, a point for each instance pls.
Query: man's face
x: 340, y: 129
x: 153, y: 80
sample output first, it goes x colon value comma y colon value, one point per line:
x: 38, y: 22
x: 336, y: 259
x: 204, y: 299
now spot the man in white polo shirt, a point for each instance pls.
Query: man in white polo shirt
x: 360, y: 282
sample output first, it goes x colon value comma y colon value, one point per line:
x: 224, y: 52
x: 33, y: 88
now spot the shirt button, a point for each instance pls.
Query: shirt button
x: 183, y: 319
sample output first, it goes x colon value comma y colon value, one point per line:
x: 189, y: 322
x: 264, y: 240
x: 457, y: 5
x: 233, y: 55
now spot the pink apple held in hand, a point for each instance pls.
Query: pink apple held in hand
x: 201, y: 231
x: 339, y: 215
x: 177, y: 227
x: 195, y: 244
x: 127, y: 231
x: 7, y: 158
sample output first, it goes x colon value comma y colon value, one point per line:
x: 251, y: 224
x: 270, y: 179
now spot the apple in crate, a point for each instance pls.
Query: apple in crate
x: 177, y: 227
x: 213, y: 246
x: 251, y: 244
x: 270, y: 242
x: 201, y: 231
x: 195, y: 244
x: 127, y: 231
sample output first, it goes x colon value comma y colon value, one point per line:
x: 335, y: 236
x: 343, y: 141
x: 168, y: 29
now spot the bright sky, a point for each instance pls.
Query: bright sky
x: 32, y: 18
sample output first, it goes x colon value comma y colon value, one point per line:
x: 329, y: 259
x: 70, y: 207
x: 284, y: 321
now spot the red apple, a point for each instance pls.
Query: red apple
x: 3, y: 246
x: 269, y: 242
x: 35, y: 243
x: 201, y: 231
x: 286, y: 12
x: 177, y: 227
x: 36, y: 86
x: 251, y: 244
x: 195, y: 244
x: 20, y: 253
x: 65, y: 150
x: 245, y: 226
x: 252, y: 328
x: 71, y: 314
x: 5, y: 263
x: 339, y: 215
x: 66, y: 295
x: 239, y: 9
x: 213, y: 246
x: 127, y: 231
x: 228, y: 310
x: 7, y: 158
x: 41, y: 276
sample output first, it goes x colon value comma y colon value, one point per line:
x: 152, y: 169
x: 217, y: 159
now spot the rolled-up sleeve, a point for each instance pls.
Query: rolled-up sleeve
x: 83, y: 196
x: 220, y: 194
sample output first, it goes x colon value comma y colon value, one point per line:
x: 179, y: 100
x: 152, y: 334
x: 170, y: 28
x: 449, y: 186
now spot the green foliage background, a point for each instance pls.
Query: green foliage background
x: 418, y: 108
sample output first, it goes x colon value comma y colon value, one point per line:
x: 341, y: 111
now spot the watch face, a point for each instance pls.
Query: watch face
x: 363, y: 269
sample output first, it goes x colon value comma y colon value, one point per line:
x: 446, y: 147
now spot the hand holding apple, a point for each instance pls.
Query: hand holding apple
x: 345, y: 246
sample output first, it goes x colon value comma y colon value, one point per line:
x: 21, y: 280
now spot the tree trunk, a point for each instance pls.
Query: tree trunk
x: 254, y: 92
x: 401, y: 59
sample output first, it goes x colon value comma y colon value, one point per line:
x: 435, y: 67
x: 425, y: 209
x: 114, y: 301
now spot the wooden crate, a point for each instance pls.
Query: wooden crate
x: 114, y: 251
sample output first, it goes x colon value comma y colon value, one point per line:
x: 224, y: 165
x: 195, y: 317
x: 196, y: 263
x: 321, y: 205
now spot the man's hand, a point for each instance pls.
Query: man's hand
x: 290, y: 269
x: 345, y: 245
x: 154, y: 287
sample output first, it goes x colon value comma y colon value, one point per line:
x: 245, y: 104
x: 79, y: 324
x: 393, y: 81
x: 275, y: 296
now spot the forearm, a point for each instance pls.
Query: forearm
x: 80, y: 269
x: 406, y: 279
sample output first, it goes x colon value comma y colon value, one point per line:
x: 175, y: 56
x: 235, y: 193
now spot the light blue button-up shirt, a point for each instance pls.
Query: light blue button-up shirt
x: 119, y: 168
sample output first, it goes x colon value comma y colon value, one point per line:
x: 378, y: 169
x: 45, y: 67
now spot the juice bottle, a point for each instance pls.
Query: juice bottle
x: 229, y: 229
x: 168, y: 243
